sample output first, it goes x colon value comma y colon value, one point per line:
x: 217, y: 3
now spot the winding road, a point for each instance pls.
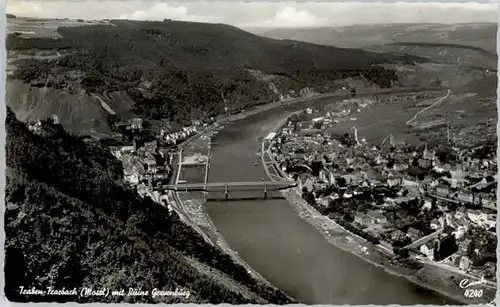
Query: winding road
x: 427, y: 108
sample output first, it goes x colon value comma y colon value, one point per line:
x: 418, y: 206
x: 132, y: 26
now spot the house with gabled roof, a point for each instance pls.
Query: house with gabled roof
x: 398, y: 236
x: 477, y: 217
x: 377, y: 216
x: 428, y: 249
x: 362, y: 219
x: 463, y: 246
x: 414, y: 233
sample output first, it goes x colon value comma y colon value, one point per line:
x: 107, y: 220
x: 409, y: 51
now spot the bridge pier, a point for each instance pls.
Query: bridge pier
x: 265, y: 191
x: 226, y: 192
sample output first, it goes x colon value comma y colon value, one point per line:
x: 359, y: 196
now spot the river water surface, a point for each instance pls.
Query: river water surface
x: 282, y: 247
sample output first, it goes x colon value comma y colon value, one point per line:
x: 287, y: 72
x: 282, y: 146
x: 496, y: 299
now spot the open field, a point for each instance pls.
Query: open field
x: 437, y: 74
x: 455, y: 54
x: 42, y: 28
x: 467, y: 119
x: 196, y: 148
x: 376, y: 122
x: 465, y: 45
x: 480, y: 35
x: 192, y: 173
x: 77, y: 112
x: 460, y: 110
x: 121, y: 104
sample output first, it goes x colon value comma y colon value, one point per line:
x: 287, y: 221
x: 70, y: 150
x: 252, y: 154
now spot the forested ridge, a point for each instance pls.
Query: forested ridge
x: 187, y: 69
x: 70, y: 222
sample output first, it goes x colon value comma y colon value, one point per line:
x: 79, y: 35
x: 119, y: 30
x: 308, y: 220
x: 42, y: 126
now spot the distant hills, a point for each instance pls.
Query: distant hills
x: 471, y: 44
x: 461, y: 55
x: 480, y: 35
x: 175, y: 71
x: 179, y: 70
x: 199, y: 46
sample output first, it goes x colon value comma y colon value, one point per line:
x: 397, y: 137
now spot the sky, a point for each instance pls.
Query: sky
x: 264, y: 14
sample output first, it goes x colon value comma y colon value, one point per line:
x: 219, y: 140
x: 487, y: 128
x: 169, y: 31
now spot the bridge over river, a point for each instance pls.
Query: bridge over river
x: 229, y: 188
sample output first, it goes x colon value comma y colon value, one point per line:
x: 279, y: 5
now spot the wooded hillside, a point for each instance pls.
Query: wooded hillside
x: 70, y: 222
x: 185, y: 69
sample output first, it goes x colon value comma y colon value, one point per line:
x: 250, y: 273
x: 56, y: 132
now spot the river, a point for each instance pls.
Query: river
x: 285, y: 249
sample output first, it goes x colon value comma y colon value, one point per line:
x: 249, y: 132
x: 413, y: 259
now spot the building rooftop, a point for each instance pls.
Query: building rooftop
x: 413, y: 231
x: 375, y: 214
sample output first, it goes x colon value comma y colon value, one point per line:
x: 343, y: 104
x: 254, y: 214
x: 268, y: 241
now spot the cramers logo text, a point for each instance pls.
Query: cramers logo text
x: 472, y: 292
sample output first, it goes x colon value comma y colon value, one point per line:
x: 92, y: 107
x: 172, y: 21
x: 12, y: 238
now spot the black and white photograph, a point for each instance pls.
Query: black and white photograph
x: 265, y: 152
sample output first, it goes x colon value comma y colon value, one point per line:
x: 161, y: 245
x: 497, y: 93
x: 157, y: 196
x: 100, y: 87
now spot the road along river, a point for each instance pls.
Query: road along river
x: 290, y: 253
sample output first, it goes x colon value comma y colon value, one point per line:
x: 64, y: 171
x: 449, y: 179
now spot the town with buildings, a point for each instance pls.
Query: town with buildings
x: 410, y: 201
x: 413, y: 202
x: 148, y: 162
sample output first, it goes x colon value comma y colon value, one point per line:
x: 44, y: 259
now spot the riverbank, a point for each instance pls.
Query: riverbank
x: 431, y: 276
x: 192, y: 205
x: 309, y: 288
